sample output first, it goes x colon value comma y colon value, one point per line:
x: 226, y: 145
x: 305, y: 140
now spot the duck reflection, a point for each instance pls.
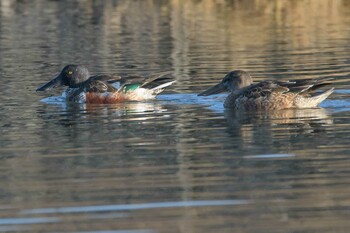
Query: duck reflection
x: 75, y: 113
x: 72, y: 120
x: 318, y: 116
x: 278, y: 129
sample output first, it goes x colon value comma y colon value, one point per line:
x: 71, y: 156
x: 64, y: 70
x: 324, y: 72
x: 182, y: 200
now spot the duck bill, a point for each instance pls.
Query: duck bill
x: 213, y: 90
x: 52, y: 84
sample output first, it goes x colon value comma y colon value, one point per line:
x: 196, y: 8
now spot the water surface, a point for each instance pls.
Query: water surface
x: 181, y: 163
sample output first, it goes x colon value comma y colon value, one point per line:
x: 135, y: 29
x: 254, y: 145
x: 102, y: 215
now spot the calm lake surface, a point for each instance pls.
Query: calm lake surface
x: 180, y: 163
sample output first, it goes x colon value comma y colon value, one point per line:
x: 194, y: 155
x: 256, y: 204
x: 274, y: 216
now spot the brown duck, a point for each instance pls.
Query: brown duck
x: 269, y: 95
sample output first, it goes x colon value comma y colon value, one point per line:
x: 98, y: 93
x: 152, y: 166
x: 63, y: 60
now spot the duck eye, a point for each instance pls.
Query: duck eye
x: 70, y: 72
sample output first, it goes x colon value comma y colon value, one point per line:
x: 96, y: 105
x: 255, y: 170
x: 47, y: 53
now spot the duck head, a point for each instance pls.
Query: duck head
x: 71, y: 75
x: 233, y: 81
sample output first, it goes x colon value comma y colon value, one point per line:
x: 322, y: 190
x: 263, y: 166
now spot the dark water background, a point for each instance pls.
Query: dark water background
x: 180, y: 163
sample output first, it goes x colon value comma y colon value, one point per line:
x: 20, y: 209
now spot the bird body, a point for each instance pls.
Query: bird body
x: 106, y: 89
x: 269, y: 95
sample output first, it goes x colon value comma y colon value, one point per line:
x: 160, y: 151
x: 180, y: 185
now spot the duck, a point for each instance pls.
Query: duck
x: 105, y: 88
x: 269, y: 94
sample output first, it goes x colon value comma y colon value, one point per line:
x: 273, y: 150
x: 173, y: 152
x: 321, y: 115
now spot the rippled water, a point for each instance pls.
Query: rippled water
x: 181, y: 163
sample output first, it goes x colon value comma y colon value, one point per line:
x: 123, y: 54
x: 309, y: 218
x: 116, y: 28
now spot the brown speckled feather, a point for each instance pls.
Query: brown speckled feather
x: 262, y: 96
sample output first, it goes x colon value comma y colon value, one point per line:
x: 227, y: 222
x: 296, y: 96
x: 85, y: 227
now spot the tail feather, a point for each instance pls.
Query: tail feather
x: 313, y: 100
x: 164, y: 85
x: 319, y: 97
x: 306, y: 85
x: 315, y: 87
x: 157, y: 80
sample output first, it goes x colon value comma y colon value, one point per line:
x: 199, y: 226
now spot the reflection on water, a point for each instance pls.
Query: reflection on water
x: 299, y: 118
x: 180, y: 163
x: 140, y: 206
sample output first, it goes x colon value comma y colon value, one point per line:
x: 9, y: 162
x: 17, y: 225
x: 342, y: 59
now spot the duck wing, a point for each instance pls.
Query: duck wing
x: 146, y: 82
x: 262, y: 89
x: 130, y: 83
x: 302, y: 86
x: 107, y: 78
x: 305, y: 85
x: 157, y: 80
x: 96, y: 84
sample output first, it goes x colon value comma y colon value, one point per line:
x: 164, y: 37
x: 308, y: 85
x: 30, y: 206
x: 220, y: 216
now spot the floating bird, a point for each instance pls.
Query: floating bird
x: 106, y: 89
x: 269, y: 95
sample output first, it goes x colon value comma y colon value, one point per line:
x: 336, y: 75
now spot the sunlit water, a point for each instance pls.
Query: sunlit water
x: 181, y: 163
